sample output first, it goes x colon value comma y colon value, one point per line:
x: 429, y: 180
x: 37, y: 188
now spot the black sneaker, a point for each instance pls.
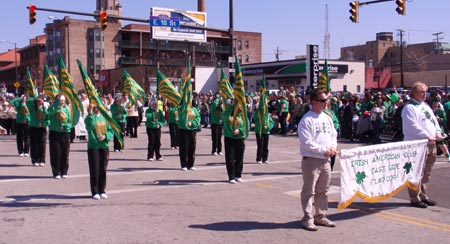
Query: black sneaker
x: 429, y: 202
x: 419, y: 204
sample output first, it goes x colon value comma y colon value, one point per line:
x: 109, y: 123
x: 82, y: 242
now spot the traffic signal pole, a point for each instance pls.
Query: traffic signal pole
x: 129, y: 19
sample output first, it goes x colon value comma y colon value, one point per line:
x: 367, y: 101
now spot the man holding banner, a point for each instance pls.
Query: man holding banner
x: 419, y: 122
x: 318, y: 142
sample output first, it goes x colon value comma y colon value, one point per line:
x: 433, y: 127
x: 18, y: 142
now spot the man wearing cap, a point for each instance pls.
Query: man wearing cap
x: 420, y: 123
x: 22, y: 125
x: 59, y: 137
x: 155, y: 120
x: 38, y: 130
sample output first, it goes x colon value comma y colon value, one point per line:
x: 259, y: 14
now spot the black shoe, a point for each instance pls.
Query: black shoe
x: 429, y: 202
x: 419, y: 204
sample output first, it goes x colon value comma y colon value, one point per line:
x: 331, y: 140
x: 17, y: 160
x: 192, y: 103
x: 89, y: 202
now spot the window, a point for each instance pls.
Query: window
x: 204, y: 56
x: 247, y: 58
x: 239, y: 45
x: 97, y: 53
x: 240, y: 59
x: 246, y: 44
x: 97, y: 36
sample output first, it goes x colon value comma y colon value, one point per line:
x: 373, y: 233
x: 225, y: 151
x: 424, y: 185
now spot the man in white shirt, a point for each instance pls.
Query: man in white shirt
x: 318, y: 142
x: 419, y: 122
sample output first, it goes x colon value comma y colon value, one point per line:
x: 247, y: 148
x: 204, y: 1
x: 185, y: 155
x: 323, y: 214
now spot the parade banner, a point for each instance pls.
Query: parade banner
x: 378, y: 172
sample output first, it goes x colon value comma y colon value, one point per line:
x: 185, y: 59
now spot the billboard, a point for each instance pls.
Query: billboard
x: 174, y: 33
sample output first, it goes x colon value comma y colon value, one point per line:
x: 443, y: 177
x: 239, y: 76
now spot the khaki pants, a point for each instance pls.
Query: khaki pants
x: 316, y: 183
x: 430, y: 159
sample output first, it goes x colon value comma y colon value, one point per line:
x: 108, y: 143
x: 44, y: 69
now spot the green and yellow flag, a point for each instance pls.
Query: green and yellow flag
x: 262, y: 108
x: 239, y: 94
x: 95, y: 100
x: 166, y: 89
x: 132, y: 88
x: 225, y: 89
x: 186, y: 88
x: 51, y: 84
x: 29, y: 87
x: 324, y: 80
x: 69, y: 91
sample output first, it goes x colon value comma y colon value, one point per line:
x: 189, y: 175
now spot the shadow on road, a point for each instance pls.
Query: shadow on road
x: 21, y: 177
x: 181, y: 182
x: 247, y: 225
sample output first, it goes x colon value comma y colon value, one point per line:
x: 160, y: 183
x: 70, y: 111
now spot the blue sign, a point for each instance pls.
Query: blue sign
x: 164, y: 21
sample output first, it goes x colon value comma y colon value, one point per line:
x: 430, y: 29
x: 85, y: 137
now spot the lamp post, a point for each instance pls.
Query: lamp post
x: 15, y: 58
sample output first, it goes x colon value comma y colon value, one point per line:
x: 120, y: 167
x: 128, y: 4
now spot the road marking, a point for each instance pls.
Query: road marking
x: 156, y: 187
x: 264, y: 186
x: 387, y: 215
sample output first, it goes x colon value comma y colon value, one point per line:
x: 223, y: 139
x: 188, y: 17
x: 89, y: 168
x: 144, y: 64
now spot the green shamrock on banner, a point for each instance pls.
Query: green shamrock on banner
x: 407, y: 167
x: 360, y: 176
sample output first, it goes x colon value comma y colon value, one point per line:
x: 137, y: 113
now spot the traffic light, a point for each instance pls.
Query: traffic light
x: 103, y: 20
x: 400, y: 7
x: 354, y: 11
x: 32, y: 12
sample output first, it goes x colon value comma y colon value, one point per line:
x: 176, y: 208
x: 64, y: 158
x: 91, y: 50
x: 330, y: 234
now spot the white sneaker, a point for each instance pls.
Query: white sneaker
x: 58, y: 177
x: 259, y: 162
x: 103, y: 196
x: 41, y: 164
x: 116, y: 150
x: 192, y: 168
x: 26, y: 154
x: 266, y: 162
x: 173, y: 148
x: 239, y: 179
x: 36, y: 164
x: 150, y: 159
x: 96, y: 197
x: 184, y: 168
x: 214, y: 154
x: 64, y: 176
x: 232, y: 181
x: 21, y: 154
x: 160, y: 159
x: 221, y: 154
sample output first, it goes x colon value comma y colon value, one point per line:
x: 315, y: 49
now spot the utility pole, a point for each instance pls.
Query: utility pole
x: 437, y: 39
x: 278, y: 52
x: 402, y: 82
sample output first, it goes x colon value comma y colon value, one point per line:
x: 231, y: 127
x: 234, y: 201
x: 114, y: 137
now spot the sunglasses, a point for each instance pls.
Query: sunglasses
x: 322, y: 100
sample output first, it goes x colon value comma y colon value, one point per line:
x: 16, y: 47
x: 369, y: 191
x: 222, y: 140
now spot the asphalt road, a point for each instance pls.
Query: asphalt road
x: 156, y: 202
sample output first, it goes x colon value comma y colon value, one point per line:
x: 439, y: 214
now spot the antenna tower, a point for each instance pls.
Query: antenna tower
x: 326, y: 40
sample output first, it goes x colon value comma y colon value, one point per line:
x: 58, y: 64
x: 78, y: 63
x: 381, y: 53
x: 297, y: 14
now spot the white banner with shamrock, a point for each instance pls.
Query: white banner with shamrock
x: 378, y: 172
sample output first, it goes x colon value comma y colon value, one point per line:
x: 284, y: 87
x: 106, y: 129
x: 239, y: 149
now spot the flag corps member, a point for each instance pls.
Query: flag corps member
x: 99, y: 134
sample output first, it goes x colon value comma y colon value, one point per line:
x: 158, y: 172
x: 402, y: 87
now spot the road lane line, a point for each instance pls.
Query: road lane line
x: 145, y: 187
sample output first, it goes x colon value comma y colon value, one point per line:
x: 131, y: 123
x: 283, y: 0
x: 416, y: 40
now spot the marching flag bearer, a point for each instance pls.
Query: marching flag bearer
x: 60, y: 118
x: 155, y: 120
x: 99, y: 135
x: 22, y: 125
x: 38, y: 130
x: 234, y: 133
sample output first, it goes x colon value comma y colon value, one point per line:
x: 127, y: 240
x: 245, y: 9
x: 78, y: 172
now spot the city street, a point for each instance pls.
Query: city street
x: 157, y: 202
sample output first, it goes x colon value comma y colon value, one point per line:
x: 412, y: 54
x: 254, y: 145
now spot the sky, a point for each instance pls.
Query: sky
x: 288, y: 25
